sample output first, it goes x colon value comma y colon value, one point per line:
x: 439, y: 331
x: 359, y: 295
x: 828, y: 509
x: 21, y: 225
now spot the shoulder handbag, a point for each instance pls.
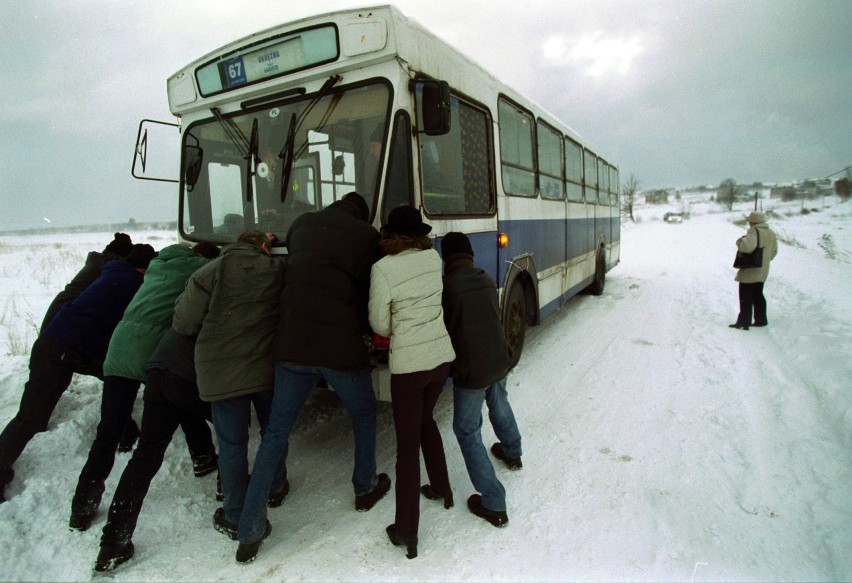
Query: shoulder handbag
x: 753, y: 259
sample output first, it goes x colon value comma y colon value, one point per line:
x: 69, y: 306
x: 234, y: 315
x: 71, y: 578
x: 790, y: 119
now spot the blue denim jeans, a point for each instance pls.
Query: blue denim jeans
x: 467, y: 425
x: 293, y: 386
x: 231, y: 419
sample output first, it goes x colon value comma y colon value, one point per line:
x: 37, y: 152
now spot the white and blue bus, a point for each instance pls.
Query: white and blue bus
x: 290, y: 119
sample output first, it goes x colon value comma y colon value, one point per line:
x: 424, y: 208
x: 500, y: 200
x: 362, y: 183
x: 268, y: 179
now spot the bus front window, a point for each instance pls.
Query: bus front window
x: 333, y: 153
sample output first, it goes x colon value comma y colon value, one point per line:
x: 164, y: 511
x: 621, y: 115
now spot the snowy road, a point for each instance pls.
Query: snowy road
x: 658, y: 445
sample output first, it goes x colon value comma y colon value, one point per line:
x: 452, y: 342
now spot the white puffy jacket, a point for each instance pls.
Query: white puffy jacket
x: 405, y: 305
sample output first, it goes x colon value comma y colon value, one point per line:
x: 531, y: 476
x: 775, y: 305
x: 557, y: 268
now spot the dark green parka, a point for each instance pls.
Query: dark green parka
x: 232, y: 305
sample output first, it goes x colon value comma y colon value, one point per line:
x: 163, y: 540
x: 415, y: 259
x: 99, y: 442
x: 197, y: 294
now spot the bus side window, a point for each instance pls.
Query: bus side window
x: 456, y: 167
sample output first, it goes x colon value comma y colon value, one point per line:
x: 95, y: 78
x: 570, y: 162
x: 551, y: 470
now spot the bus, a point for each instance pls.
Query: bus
x: 292, y: 118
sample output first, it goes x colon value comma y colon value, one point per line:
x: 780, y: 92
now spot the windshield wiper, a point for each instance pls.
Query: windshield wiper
x: 286, y: 153
x: 233, y: 131
x: 250, y: 157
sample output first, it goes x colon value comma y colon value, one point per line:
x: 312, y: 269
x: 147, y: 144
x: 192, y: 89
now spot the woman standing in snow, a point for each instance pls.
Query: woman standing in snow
x: 752, y: 278
x: 405, y: 305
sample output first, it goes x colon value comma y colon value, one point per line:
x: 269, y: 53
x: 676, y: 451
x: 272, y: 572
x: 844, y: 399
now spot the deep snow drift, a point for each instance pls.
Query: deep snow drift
x: 658, y: 443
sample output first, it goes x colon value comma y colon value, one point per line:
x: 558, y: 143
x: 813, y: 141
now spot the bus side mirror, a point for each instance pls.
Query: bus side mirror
x: 434, y: 107
x: 192, y: 156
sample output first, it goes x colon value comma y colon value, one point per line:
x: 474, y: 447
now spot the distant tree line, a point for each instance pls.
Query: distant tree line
x: 729, y: 192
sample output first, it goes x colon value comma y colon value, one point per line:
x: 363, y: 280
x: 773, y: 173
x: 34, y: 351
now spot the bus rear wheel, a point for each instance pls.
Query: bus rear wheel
x: 515, y: 324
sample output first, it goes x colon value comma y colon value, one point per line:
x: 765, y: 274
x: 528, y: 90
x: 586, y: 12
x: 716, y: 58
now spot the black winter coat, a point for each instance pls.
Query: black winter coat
x: 472, y: 317
x: 323, y: 307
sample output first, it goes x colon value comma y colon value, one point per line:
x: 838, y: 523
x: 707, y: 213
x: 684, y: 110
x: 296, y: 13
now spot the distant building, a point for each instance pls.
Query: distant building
x: 657, y: 197
x: 807, y: 189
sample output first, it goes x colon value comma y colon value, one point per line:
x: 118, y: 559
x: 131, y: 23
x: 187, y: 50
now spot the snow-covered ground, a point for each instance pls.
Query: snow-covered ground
x: 659, y: 444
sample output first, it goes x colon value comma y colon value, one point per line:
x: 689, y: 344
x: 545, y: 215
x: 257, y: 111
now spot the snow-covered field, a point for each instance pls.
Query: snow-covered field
x: 659, y: 444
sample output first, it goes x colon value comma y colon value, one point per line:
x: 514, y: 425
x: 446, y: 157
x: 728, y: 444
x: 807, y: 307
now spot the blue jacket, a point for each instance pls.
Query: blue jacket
x: 89, y: 273
x: 86, y: 324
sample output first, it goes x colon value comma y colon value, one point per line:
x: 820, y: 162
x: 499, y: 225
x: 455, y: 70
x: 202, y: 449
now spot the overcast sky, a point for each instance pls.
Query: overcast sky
x: 676, y: 93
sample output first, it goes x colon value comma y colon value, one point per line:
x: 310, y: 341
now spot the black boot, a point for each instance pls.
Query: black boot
x: 276, y: 499
x: 247, y: 552
x: 513, y: 463
x: 112, y: 555
x: 83, y: 513
x: 398, y: 540
x: 432, y: 494
x: 204, y: 464
x: 738, y: 326
x: 85, y: 503
x: 498, y: 518
x: 221, y: 524
x: 366, y: 501
x: 81, y: 520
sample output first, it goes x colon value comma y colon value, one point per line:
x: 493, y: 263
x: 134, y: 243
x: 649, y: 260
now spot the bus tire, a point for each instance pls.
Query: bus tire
x: 598, y: 284
x: 515, y: 324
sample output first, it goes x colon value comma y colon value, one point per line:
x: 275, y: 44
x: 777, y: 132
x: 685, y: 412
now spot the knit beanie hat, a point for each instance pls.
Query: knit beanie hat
x: 454, y: 243
x: 141, y: 256
x: 120, y: 245
x: 360, y: 205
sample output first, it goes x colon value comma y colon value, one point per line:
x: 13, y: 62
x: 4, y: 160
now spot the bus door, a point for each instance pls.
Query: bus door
x: 606, y: 210
x: 590, y: 173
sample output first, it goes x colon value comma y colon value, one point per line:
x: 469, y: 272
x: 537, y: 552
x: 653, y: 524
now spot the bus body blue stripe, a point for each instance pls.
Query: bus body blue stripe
x: 544, y: 239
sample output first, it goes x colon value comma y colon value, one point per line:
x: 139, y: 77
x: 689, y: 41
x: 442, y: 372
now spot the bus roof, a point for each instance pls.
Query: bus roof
x: 400, y: 38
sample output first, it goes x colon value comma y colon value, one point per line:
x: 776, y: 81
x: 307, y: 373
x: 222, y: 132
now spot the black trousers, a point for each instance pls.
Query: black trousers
x: 169, y: 401
x: 119, y: 396
x: 752, y: 300
x: 51, y: 371
x: 414, y: 396
x: 49, y: 377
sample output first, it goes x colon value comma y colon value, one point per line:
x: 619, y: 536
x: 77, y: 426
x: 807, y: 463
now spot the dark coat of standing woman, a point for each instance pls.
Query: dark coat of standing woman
x: 752, y: 278
x: 405, y: 305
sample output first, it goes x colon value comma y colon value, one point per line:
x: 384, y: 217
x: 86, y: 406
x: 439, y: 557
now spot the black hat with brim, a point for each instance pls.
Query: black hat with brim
x: 407, y: 220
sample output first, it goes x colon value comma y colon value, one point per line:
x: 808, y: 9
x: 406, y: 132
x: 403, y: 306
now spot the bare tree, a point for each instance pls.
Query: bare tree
x: 628, y: 196
x: 727, y: 193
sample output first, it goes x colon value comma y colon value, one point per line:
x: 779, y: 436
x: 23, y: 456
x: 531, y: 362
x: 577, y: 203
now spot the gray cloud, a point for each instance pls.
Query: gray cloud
x: 750, y: 90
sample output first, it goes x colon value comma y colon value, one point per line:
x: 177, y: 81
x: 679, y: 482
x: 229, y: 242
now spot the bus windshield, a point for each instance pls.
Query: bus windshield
x: 235, y: 164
